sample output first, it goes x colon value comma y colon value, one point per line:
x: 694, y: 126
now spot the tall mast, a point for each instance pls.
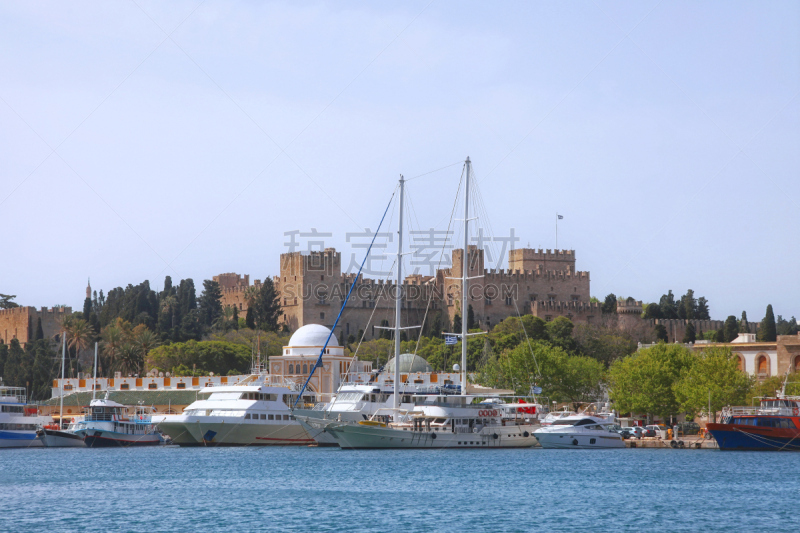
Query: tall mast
x: 94, y: 385
x: 464, y: 287
x: 63, y: 358
x: 398, y: 300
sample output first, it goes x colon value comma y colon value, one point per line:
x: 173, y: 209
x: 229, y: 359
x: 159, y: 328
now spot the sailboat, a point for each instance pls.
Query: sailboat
x: 452, y: 418
x: 56, y: 436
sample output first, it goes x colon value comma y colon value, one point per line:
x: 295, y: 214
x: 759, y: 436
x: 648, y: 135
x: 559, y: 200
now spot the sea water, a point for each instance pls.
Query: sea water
x: 328, y: 489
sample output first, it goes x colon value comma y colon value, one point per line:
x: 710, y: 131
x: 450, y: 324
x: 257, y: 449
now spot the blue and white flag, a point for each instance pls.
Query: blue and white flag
x: 536, y: 390
x: 450, y: 340
x: 560, y: 217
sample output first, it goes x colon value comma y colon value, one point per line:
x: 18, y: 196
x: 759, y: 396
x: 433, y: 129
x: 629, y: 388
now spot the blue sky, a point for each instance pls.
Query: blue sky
x: 140, y: 139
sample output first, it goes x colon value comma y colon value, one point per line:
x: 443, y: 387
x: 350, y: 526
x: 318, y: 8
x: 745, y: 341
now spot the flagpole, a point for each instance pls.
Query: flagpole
x: 556, y: 230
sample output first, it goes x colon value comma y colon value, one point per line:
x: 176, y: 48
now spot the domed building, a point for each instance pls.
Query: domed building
x: 299, y: 356
x: 409, y: 363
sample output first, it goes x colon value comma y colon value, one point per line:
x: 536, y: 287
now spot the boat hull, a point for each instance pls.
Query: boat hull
x: 357, y: 436
x: 574, y: 441
x: 109, y: 439
x: 315, y: 424
x: 19, y: 439
x: 53, y: 438
x: 210, y: 431
x: 750, y: 438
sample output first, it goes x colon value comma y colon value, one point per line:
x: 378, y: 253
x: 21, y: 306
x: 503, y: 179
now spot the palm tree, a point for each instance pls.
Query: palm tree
x: 169, y: 303
x: 79, y: 333
x: 130, y: 358
x: 146, y: 341
x: 113, y: 339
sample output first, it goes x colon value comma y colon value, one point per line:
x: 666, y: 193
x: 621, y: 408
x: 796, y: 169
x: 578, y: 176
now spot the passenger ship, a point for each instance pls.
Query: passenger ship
x: 18, y: 420
x: 253, y: 412
x: 772, y: 426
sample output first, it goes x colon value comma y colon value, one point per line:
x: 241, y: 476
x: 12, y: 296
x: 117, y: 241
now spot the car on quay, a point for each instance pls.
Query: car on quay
x: 634, y: 432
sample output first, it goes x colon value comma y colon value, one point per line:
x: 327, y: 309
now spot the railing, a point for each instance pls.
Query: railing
x: 758, y: 411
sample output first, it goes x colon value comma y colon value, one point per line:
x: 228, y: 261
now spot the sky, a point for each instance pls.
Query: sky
x: 145, y: 139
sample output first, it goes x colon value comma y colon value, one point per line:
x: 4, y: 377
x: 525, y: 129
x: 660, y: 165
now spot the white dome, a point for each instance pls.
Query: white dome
x: 312, y: 335
x: 409, y: 363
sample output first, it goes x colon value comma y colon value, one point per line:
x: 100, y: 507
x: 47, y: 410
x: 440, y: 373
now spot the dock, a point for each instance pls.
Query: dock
x: 690, y: 442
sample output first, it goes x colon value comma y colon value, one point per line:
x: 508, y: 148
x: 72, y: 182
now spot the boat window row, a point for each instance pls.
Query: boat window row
x: 13, y: 409
x: 778, y: 403
x: 349, y: 397
x: 765, y: 421
x: 18, y: 427
x: 262, y: 416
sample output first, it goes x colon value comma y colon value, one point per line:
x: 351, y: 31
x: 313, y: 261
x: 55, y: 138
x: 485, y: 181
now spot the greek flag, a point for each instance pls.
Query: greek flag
x: 450, y: 340
x: 560, y: 217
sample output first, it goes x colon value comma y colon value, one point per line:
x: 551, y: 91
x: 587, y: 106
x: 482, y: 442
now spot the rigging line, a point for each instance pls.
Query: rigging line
x: 344, y: 304
x: 364, y: 331
x: 438, y: 265
x: 437, y: 170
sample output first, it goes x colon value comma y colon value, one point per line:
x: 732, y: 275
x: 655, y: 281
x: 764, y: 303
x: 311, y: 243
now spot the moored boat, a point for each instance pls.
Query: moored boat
x: 107, y: 424
x: 18, y: 420
x: 772, y: 426
x: 580, y: 432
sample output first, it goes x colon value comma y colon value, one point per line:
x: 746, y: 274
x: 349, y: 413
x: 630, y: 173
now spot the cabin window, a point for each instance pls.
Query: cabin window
x: 286, y: 417
x: 271, y: 417
x: 124, y: 386
x: 263, y: 417
x: 152, y: 386
x: 181, y: 385
x: 592, y: 441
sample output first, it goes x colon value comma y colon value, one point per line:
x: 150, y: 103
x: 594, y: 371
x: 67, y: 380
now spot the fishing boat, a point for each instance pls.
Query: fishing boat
x: 580, y: 432
x: 774, y: 425
x: 254, y: 412
x: 19, y: 420
x: 107, y: 423
x: 457, y: 420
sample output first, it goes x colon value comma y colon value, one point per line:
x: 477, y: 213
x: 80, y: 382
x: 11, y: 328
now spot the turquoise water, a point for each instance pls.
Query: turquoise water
x: 328, y: 489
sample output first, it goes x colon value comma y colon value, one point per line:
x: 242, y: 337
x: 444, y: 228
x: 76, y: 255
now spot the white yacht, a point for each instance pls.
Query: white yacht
x: 254, y: 412
x: 580, y: 432
x: 52, y: 436
x: 18, y: 420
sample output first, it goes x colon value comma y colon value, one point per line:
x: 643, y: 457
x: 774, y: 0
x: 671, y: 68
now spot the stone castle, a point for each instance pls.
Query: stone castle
x: 20, y: 323
x: 312, y: 287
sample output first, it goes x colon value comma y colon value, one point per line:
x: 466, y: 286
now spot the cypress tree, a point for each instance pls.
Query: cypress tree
x: 661, y: 333
x: 470, y: 317
x: 731, y: 328
x: 689, y: 335
x: 235, y: 318
x: 3, y: 356
x: 609, y: 305
x: 39, y: 332
x: 87, y: 308
x: 720, y: 336
x: 250, y: 318
x: 210, y: 303
x: 457, y: 323
x: 702, y: 309
x: 767, y: 332
x: 267, y: 307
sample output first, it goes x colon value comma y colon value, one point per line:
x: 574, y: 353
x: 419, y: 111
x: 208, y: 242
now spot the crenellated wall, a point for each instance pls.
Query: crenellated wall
x: 20, y: 322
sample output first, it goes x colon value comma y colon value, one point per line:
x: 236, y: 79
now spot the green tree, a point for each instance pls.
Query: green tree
x: 43, y: 370
x: 210, y: 303
x: 744, y: 326
x: 471, y: 318
x: 715, y: 371
x: 690, y: 335
x: 767, y: 331
x: 266, y: 306
x: 610, y: 304
x: 559, y: 331
x: 702, y: 312
x: 720, y: 335
x: 667, y: 305
x: 3, y: 356
x: 661, y: 333
x: 235, y: 317
x: 731, y: 328
x: 6, y: 303
x: 457, y: 323
x: 651, y: 311
x: 250, y: 318
x: 16, y: 371
x: 689, y: 304
x: 515, y: 330
x: 220, y: 357
x: 39, y: 331
x: 643, y: 382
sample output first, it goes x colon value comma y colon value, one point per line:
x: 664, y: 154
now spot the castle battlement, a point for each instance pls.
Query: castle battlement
x: 574, y: 307
x: 24, y: 310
